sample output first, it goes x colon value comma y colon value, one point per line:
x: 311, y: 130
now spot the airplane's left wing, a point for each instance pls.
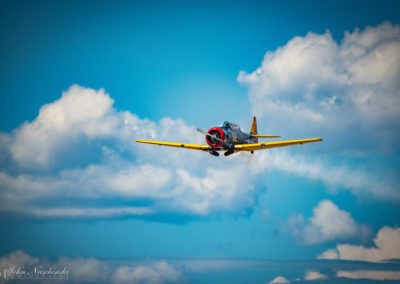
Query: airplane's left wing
x: 179, y: 145
x: 268, y: 145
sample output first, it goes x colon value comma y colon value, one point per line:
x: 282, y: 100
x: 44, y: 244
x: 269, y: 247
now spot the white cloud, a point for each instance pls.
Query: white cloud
x: 84, y: 269
x: 81, y: 112
x: 156, y: 273
x: 86, y: 118
x: 314, y: 275
x: 279, y: 279
x: 370, y: 274
x: 329, y: 254
x: 328, y: 223
x: 16, y: 259
x: 92, y: 270
x: 13, y: 261
x: 387, y: 246
x: 80, y: 148
x: 347, y: 93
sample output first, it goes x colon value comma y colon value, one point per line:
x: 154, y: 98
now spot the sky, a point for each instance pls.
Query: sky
x: 81, y: 81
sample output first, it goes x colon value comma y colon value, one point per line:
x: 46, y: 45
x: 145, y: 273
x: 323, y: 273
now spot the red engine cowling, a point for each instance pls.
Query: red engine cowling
x: 218, y: 133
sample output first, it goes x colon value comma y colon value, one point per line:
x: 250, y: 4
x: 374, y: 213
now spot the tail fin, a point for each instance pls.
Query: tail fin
x: 253, y: 129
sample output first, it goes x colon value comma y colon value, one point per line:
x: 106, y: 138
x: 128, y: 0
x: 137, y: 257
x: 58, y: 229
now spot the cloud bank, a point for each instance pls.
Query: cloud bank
x: 78, y: 159
x: 347, y: 92
x: 370, y: 274
x: 387, y: 246
x: 92, y: 270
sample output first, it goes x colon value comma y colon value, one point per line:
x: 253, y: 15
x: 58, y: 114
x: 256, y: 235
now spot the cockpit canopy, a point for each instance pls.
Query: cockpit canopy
x: 231, y: 125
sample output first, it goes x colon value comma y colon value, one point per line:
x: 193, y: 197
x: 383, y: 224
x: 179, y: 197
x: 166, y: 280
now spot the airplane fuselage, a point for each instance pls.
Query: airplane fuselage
x: 228, y: 135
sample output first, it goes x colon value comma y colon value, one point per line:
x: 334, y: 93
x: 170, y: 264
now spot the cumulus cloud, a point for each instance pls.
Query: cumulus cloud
x: 79, y: 153
x: 279, y: 279
x: 370, y: 274
x: 329, y: 254
x: 347, y: 92
x: 328, y: 223
x: 92, y: 270
x: 81, y: 112
x: 387, y: 246
x: 314, y: 275
x: 16, y: 259
x: 84, y: 269
x: 156, y: 273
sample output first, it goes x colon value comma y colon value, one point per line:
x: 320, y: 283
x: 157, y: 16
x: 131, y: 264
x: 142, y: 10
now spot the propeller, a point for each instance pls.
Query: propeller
x: 209, y: 135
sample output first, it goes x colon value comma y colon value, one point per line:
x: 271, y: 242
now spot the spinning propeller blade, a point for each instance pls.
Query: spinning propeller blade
x: 209, y: 135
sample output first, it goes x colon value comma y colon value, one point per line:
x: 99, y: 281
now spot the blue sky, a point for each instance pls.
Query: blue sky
x: 81, y: 81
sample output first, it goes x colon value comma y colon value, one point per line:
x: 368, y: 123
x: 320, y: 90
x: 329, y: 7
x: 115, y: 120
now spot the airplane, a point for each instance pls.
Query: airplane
x: 231, y: 139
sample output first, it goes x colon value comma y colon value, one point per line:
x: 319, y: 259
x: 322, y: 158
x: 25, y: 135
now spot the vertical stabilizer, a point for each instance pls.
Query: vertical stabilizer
x: 253, y: 129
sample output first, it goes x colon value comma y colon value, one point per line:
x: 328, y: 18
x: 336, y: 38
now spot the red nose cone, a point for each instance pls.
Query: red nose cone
x: 217, y: 132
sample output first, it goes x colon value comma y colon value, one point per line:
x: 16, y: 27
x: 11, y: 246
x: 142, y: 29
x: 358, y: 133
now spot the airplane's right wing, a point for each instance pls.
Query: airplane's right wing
x: 268, y: 145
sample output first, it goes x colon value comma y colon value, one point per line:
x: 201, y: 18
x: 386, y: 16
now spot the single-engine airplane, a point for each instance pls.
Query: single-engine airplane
x: 231, y: 139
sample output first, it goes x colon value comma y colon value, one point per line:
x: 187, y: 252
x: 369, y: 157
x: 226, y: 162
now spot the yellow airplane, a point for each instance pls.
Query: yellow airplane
x: 231, y: 139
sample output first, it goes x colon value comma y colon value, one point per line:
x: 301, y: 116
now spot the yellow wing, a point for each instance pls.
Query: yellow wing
x: 260, y: 146
x: 179, y: 145
x: 239, y: 147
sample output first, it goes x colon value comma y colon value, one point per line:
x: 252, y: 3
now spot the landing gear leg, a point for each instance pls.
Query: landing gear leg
x: 214, y: 153
x: 229, y: 152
